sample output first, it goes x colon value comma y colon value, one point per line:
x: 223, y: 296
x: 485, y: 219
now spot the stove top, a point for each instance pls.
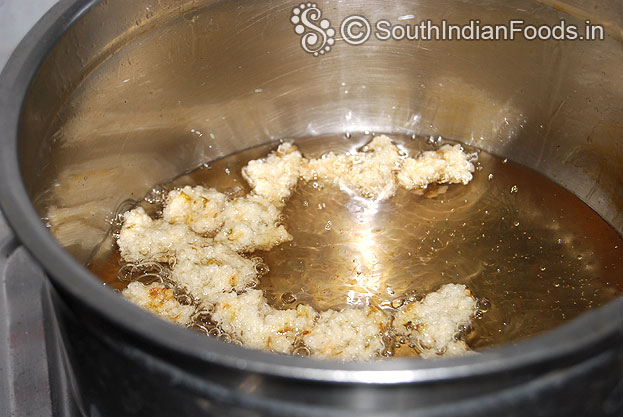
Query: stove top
x: 33, y: 379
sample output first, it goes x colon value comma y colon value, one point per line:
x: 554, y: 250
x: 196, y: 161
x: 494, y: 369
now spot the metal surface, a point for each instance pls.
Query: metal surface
x: 24, y: 357
x: 33, y: 379
x: 106, y: 99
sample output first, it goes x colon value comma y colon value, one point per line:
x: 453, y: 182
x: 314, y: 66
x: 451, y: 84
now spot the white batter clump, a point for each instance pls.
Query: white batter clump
x: 203, y: 235
x: 275, y: 176
x: 159, y: 300
x: 371, y: 172
x: 434, y: 323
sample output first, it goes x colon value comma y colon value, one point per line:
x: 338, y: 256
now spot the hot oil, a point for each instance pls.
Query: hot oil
x: 532, y: 253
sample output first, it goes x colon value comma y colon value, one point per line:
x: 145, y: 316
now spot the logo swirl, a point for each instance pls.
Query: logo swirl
x: 317, y: 35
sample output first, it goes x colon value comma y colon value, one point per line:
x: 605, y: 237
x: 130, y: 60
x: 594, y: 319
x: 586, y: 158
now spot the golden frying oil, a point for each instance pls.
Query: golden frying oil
x: 532, y: 253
